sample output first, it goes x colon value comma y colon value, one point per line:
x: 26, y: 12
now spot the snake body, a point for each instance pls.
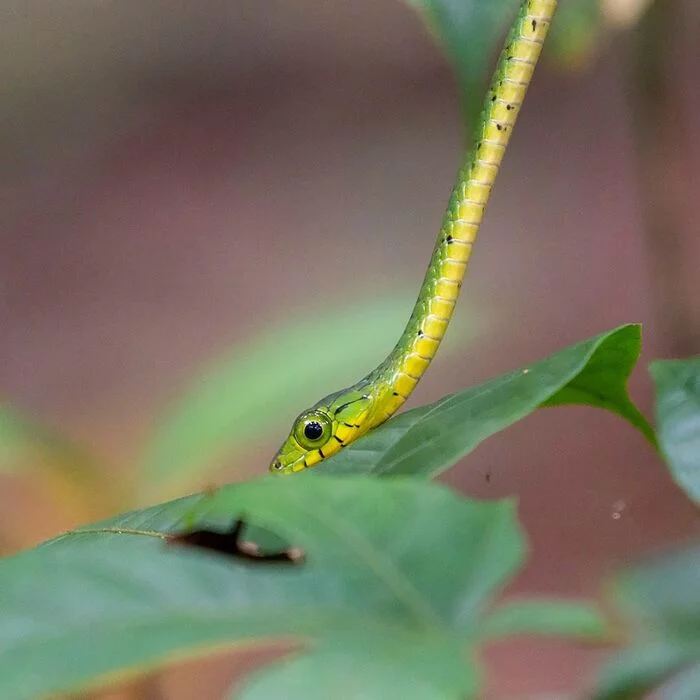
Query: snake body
x: 342, y: 417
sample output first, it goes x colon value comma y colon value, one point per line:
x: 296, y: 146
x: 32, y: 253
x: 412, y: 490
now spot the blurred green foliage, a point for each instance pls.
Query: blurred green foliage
x: 661, y: 599
x: 258, y: 389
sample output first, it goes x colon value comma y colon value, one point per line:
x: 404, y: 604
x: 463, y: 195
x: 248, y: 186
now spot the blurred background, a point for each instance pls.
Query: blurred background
x: 214, y: 213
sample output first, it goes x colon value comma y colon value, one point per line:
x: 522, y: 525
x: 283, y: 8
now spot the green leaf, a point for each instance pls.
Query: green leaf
x: 663, y: 593
x: 633, y: 672
x: 576, y: 33
x: 603, y: 381
x: 260, y: 388
x: 21, y: 436
x: 677, y: 384
x: 469, y: 31
x: 385, y: 559
x: 27, y: 445
x: 661, y: 596
x: 547, y: 617
x: 685, y: 686
x: 17, y: 434
x: 364, y: 668
x: 427, y: 440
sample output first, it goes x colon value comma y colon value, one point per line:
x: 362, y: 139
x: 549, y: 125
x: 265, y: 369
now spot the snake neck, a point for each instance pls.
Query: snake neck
x: 394, y: 380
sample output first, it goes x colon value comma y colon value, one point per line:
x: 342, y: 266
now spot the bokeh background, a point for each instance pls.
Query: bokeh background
x: 183, y: 186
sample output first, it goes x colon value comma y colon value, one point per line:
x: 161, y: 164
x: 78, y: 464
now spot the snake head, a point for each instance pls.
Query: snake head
x: 323, y: 430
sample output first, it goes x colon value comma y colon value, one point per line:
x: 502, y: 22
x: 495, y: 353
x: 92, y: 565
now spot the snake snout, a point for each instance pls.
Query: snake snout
x: 276, y: 465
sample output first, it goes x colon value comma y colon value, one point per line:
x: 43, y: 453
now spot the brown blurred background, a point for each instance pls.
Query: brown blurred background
x: 177, y: 177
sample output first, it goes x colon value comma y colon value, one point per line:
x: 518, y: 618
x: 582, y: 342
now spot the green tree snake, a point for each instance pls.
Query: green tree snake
x: 342, y: 417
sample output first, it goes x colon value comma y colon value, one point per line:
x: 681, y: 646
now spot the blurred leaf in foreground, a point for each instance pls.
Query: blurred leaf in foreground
x: 393, y: 567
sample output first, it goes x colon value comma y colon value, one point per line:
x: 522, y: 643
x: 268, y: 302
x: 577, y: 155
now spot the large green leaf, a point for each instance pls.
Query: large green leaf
x: 393, y: 569
x: 261, y: 387
x: 393, y: 560
x: 469, y: 31
x: 427, y: 440
x: 677, y: 385
x: 661, y: 597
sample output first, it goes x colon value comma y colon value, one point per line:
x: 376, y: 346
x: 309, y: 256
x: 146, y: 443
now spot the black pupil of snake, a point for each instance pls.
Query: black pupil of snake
x: 313, y: 430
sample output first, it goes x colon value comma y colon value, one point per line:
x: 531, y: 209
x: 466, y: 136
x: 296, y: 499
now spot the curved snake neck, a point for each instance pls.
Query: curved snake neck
x: 382, y: 392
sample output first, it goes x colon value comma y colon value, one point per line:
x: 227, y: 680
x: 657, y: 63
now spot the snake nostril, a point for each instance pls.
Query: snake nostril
x: 277, y: 464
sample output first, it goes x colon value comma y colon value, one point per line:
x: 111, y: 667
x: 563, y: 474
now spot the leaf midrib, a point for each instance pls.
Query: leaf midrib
x: 388, y: 574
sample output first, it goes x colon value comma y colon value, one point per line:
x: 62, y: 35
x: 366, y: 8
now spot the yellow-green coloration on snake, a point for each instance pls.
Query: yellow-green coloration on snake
x: 344, y: 416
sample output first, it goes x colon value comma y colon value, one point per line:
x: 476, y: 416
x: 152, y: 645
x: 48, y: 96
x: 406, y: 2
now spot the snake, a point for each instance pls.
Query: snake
x: 346, y: 415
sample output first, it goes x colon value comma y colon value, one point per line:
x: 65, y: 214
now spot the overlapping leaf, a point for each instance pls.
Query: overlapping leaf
x: 427, y: 440
x: 677, y: 385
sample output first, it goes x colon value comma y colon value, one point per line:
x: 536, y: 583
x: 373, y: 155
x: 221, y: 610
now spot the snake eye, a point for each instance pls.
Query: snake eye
x: 313, y: 429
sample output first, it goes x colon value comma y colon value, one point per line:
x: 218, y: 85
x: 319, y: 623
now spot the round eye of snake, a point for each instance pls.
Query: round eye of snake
x: 313, y: 429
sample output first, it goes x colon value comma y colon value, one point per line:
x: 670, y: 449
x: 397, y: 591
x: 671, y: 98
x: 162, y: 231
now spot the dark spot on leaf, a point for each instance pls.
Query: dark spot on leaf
x: 230, y: 544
